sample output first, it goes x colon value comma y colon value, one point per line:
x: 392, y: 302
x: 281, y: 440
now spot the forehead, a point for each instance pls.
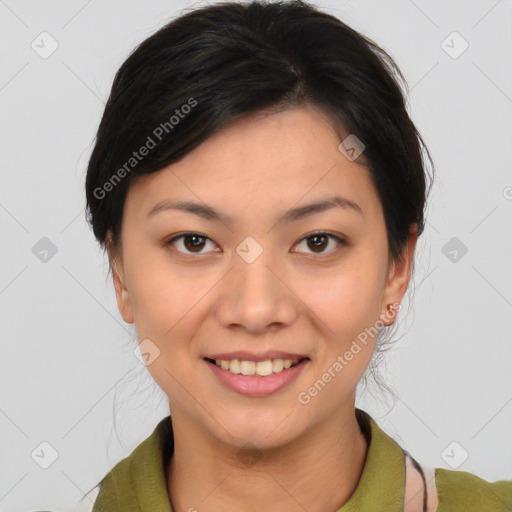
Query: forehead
x: 259, y: 163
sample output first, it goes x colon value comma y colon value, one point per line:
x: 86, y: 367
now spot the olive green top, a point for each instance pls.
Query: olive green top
x: 138, y: 482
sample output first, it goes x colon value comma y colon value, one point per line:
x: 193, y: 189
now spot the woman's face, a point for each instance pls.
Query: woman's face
x: 244, y: 281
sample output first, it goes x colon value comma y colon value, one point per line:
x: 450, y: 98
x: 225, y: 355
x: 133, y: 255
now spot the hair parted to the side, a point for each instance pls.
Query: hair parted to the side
x: 215, y: 64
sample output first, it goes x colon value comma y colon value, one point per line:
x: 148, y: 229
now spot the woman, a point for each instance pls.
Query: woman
x: 260, y: 189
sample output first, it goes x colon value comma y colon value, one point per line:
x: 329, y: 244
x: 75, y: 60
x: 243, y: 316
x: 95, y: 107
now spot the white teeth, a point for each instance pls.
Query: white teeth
x: 264, y: 368
x: 233, y: 367
x: 261, y: 368
x: 278, y: 365
x: 247, y: 367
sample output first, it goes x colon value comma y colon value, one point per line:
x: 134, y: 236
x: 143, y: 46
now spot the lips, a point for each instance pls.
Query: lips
x: 256, y: 385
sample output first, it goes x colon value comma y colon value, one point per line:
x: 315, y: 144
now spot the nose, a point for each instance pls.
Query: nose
x: 256, y: 296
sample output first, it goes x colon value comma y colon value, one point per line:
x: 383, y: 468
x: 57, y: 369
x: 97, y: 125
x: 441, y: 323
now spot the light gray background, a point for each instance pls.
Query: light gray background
x: 66, y: 353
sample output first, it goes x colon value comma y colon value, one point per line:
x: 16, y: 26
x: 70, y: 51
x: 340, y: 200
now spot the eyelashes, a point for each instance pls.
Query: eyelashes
x: 198, y: 241
x: 325, y: 235
x: 189, y: 236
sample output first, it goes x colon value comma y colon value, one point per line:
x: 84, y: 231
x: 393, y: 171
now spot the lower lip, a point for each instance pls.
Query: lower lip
x: 254, y: 385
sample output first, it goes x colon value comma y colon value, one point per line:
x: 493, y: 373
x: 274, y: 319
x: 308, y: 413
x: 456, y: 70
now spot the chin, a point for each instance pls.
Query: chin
x: 263, y: 433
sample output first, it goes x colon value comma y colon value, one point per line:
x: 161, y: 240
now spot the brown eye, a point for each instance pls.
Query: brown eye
x: 318, y: 242
x: 193, y: 243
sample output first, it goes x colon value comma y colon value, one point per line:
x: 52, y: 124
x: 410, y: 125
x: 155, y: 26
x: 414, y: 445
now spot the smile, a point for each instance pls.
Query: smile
x: 260, y: 378
x: 260, y: 368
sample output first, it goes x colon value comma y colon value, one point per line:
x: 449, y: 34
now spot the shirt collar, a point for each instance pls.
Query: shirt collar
x: 381, y: 485
x: 143, y: 474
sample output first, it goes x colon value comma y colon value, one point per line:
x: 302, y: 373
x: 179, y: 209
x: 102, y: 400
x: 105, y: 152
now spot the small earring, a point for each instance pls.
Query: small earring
x: 391, y: 307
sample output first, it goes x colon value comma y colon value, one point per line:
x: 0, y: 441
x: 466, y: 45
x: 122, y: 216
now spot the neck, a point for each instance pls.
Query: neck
x: 317, y: 472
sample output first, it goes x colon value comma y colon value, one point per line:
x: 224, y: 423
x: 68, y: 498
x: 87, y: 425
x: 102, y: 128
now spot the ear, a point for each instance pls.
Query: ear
x: 122, y: 295
x: 398, y: 277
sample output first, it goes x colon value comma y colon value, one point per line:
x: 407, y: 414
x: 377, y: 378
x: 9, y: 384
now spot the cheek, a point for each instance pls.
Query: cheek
x: 167, y: 310
x: 345, y: 306
x: 343, y: 300
x: 161, y: 294
x: 164, y: 302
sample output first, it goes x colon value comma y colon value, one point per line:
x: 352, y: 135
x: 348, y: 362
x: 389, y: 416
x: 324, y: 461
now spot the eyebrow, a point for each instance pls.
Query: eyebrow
x: 207, y: 212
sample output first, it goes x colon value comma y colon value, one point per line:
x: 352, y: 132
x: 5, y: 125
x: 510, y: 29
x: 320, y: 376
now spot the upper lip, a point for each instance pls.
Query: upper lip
x: 256, y: 357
